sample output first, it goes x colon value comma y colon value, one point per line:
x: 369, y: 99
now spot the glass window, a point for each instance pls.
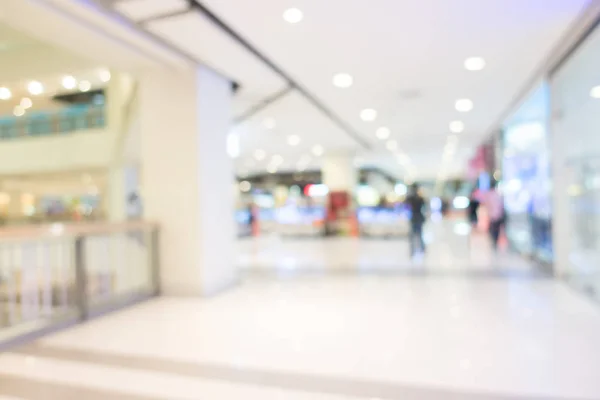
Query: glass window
x: 576, y: 159
x: 526, y: 176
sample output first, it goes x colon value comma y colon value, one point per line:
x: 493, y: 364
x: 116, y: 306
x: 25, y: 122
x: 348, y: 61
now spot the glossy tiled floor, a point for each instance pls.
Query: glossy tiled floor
x: 451, y: 249
x: 331, y: 337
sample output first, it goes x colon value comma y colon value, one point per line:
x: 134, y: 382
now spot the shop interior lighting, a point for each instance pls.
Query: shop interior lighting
x: 69, y: 82
x: 35, y: 88
x: 85, y: 86
x: 26, y: 103
x: 5, y: 93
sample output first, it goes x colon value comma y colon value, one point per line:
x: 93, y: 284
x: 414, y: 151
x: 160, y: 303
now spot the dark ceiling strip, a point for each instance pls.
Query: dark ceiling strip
x: 567, y: 56
x: 164, y: 16
x: 252, y: 111
x: 109, y: 11
x: 310, y: 97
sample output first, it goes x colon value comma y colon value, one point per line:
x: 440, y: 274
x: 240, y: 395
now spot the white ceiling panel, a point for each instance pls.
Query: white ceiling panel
x: 407, y: 58
x: 270, y: 131
x: 139, y: 10
x: 199, y: 37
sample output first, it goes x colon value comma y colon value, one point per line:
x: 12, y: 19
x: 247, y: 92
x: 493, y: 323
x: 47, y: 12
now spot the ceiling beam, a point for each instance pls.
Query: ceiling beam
x: 279, y: 71
x: 263, y: 105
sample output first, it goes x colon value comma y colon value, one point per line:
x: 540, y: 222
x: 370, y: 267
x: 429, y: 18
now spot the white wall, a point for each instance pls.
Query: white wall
x: 187, y: 178
x: 56, y: 153
x: 339, y: 172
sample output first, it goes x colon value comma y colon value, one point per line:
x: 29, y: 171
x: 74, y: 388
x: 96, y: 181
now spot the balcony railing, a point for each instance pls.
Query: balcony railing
x: 75, y: 118
x: 57, y: 275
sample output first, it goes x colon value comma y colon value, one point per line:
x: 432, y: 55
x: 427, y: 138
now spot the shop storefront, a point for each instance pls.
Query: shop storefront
x: 526, y: 182
x: 575, y: 89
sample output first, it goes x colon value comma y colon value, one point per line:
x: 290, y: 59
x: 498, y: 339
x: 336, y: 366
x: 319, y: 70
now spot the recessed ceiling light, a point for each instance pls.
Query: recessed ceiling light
x: 318, y: 150
x: 392, y: 145
x: 474, y: 63
x: 85, y: 86
x: 245, y: 186
x: 104, y: 75
x: 464, y: 105
x: 595, y: 92
x: 19, y: 111
x: 35, y: 88
x: 293, y: 15
x: 26, y: 102
x: 457, y: 126
x: 269, y: 123
x: 293, y: 140
x: 69, y: 82
x: 5, y: 93
x: 383, y: 133
x: 343, y: 80
x: 368, y: 114
x: 260, y: 155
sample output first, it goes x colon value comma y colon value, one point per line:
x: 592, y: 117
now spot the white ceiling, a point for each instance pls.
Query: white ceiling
x: 59, y: 184
x: 406, y: 58
x: 26, y: 59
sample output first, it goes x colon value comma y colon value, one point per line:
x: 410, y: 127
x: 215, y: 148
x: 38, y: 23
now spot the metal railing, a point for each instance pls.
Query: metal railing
x: 57, y: 275
x: 67, y: 120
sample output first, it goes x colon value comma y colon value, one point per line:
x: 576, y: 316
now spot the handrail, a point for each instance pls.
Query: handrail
x: 55, y: 230
x: 56, y: 275
x: 53, y: 122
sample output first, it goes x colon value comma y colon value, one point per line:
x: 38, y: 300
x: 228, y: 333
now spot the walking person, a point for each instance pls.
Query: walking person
x: 416, y: 202
x: 473, y: 208
x: 494, y: 204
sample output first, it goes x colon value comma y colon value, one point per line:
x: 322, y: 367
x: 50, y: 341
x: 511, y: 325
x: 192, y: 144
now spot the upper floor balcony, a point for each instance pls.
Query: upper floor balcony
x: 54, y: 122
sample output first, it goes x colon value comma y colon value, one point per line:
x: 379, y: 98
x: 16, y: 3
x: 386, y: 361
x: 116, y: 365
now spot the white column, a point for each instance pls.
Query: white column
x: 116, y: 196
x: 339, y: 172
x: 118, y: 93
x: 187, y: 175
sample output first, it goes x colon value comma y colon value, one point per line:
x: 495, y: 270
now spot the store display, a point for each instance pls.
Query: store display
x: 526, y: 185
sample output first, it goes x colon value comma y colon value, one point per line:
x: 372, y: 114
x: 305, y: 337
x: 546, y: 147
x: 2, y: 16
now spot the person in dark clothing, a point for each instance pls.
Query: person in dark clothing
x: 473, y: 207
x: 494, y: 203
x: 417, y: 219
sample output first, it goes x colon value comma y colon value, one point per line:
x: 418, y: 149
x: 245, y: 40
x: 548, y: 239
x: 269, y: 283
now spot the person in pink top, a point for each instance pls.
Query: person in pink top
x: 494, y: 204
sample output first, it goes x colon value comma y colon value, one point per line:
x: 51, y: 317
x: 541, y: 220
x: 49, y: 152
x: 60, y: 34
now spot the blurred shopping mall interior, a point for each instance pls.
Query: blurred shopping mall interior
x: 299, y: 199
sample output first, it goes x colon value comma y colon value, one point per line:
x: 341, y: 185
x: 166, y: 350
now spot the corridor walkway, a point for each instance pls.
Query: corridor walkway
x: 335, y: 336
x: 452, y: 249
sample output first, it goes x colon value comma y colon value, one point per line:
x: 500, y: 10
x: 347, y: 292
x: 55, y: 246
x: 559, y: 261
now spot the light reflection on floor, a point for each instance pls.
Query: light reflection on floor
x: 451, y: 247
